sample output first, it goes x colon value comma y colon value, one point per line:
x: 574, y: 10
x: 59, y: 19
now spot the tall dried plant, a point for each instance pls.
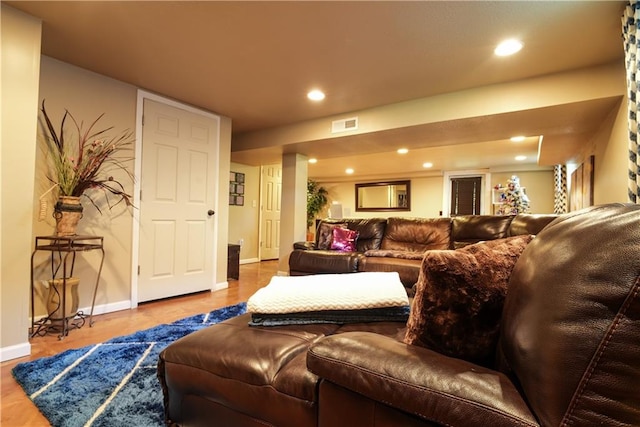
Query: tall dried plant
x: 81, y: 161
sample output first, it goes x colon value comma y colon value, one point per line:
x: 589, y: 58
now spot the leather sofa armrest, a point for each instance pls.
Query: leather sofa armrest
x: 305, y: 246
x: 419, y: 381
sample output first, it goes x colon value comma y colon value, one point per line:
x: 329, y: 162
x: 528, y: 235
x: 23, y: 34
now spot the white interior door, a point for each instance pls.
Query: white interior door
x: 270, y: 204
x: 179, y: 162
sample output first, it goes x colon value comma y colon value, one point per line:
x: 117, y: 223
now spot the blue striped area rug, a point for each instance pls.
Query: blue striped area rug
x: 112, y: 383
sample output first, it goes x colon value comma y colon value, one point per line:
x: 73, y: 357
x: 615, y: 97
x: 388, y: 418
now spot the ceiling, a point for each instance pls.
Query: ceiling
x: 255, y: 61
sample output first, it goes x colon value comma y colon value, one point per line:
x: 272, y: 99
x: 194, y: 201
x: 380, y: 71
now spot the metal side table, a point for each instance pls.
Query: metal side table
x: 64, y: 249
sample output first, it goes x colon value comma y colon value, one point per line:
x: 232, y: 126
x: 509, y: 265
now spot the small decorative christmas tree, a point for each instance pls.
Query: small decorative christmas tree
x: 513, y: 198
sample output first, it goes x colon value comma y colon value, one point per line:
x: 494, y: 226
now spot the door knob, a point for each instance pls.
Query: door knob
x: 211, y: 212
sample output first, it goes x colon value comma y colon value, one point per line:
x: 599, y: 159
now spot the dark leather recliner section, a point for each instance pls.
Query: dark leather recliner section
x: 234, y: 375
x: 569, y: 353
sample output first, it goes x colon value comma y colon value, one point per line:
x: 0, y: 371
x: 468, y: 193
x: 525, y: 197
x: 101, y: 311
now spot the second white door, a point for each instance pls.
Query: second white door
x: 270, y: 203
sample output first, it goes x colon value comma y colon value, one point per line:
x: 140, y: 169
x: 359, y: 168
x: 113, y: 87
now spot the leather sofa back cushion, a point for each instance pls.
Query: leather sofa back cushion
x: 459, y: 297
x: 370, y: 232
x: 416, y: 234
x: 573, y: 313
x: 529, y: 223
x: 467, y: 229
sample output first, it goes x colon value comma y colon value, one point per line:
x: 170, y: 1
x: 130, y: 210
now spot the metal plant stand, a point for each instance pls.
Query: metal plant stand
x: 64, y: 249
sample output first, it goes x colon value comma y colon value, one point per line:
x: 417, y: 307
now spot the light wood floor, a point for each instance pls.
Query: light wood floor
x: 16, y: 410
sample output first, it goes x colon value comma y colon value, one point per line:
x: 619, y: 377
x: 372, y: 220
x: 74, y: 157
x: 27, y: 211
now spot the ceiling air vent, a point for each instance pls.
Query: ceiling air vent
x: 344, y: 125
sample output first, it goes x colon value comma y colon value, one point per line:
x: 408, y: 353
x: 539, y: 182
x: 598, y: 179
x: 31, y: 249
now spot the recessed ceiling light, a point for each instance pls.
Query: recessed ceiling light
x: 403, y: 150
x: 348, y: 171
x: 427, y: 165
x: 517, y: 138
x: 508, y: 47
x: 521, y: 158
x: 313, y: 160
x: 315, y: 95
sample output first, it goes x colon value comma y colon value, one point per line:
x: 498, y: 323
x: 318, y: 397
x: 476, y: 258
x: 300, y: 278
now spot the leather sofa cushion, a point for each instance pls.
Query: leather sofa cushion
x: 408, y: 269
x: 529, y: 223
x: 468, y: 229
x: 259, y: 372
x: 416, y: 234
x: 244, y: 359
x: 318, y: 262
x: 370, y: 232
x: 439, y: 389
x: 573, y: 309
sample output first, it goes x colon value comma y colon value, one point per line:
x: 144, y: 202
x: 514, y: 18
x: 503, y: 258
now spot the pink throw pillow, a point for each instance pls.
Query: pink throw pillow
x: 344, y: 240
x: 325, y: 234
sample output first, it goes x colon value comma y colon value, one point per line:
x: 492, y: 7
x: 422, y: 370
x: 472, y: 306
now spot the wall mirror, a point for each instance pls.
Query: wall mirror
x: 383, y: 196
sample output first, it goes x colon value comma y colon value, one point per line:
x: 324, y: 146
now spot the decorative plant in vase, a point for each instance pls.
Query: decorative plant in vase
x: 81, y: 162
x: 316, y: 200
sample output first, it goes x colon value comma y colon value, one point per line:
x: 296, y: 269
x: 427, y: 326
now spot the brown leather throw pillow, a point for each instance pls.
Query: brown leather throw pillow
x: 459, y: 297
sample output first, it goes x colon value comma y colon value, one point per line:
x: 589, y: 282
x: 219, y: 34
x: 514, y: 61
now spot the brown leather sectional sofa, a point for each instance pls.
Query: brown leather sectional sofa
x: 568, y: 352
x: 396, y: 244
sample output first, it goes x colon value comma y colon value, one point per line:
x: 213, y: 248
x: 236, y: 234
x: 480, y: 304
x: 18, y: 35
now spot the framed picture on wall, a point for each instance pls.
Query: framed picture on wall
x: 236, y: 189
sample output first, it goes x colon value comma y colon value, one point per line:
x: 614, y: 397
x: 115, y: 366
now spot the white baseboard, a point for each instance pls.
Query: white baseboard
x: 15, y: 351
x: 24, y: 349
x: 249, y: 260
x: 220, y: 286
x: 107, y: 308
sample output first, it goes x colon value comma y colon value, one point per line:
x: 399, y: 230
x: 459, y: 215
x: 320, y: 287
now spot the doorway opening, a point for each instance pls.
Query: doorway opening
x: 466, y: 193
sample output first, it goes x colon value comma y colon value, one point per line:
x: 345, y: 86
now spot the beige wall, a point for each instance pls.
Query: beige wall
x: 244, y: 220
x: 538, y: 185
x: 610, y: 152
x: 20, y: 65
x: 27, y: 78
x: 426, y: 199
x: 427, y: 194
x: 87, y: 95
x: 222, y: 209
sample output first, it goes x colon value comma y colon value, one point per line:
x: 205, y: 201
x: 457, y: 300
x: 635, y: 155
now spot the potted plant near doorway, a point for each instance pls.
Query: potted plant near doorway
x: 81, y: 162
x: 316, y: 201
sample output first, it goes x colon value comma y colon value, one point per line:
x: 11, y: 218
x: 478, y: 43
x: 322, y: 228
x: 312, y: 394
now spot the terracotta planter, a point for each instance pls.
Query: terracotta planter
x: 67, y: 213
x: 54, y: 299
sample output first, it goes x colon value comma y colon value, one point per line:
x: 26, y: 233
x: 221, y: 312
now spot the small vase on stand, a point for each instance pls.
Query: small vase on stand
x: 67, y: 213
x: 54, y: 299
